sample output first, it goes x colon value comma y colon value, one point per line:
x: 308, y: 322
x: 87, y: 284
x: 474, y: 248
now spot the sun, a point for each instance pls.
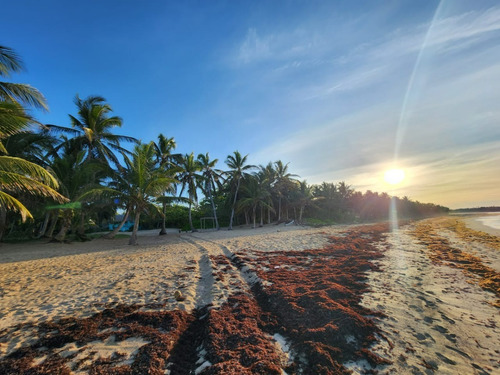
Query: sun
x: 394, y: 176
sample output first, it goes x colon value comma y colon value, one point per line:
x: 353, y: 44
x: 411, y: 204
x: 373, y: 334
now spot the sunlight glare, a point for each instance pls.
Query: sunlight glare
x: 394, y: 176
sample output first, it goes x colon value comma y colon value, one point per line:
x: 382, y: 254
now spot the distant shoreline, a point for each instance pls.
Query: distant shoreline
x: 474, y: 224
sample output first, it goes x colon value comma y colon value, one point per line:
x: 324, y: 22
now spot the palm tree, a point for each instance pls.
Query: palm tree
x: 267, y: 175
x: 17, y: 175
x: 253, y: 195
x: 189, y: 178
x: 211, y: 177
x: 142, y: 182
x: 168, y: 161
x: 284, y: 180
x: 327, y: 193
x: 304, y: 197
x: 91, y: 130
x: 31, y: 146
x: 75, y: 175
x: 164, y: 148
x: 20, y: 176
x: 345, y: 192
x: 238, y: 171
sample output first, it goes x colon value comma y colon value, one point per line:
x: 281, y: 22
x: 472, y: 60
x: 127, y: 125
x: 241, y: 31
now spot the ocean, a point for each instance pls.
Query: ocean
x: 492, y: 221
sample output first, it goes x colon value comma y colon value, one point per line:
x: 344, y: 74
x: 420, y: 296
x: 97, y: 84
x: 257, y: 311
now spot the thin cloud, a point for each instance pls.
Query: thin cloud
x: 257, y: 48
x: 254, y: 48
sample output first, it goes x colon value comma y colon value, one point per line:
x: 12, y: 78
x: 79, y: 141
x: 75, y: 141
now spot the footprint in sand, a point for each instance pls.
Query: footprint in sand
x: 446, y: 359
x: 440, y: 329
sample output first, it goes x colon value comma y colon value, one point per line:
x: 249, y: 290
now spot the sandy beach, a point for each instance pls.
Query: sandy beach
x: 272, y: 300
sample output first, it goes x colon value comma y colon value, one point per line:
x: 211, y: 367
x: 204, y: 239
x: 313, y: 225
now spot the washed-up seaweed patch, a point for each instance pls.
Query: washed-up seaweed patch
x: 442, y: 253
x: 314, y: 298
x: 236, y: 342
x: 285, y: 312
x: 63, y: 346
x: 467, y: 234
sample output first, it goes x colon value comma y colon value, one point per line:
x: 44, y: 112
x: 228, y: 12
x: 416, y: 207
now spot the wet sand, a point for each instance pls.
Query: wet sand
x: 474, y: 224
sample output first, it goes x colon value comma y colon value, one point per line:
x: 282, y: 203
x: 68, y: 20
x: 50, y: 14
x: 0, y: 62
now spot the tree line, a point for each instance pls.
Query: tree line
x: 58, y: 181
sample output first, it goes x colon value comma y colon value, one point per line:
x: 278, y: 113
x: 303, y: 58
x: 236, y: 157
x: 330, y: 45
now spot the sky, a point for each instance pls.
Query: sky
x: 340, y: 90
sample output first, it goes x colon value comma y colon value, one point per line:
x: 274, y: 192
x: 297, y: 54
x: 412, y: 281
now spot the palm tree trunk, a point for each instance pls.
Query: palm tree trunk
x: 191, y: 220
x: 163, y: 230
x: 254, y: 215
x: 300, y: 214
x: 279, y: 208
x: 133, y: 237
x: 43, y: 229
x: 115, y: 231
x: 214, y: 210
x: 269, y: 215
x: 67, y: 215
x: 81, y: 228
x: 234, y: 205
x: 3, y: 221
x: 261, y: 216
x: 53, y: 223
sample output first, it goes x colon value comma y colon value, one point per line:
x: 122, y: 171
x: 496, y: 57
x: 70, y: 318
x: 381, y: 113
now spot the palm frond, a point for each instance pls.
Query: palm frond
x: 99, y: 193
x: 63, y: 129
x: 24, y: 167
x: 10, y: 203
x: 15, y: 183
x: 9, y: 62
x: 169, y: 199
x: 13, y: 119
x: 119, y: 138
x: 23, y: 94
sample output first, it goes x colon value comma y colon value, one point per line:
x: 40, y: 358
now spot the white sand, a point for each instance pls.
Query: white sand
x: 40, y: 281
x: 434, y: 312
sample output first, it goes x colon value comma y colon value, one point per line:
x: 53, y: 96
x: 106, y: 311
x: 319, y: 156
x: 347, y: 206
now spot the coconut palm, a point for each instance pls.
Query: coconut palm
x: 19, y: 93
x: 168, y: 161
x: 91, y: 131
x: 328, y: 197
x: 304, y: 197
x: 238, y: 171
x: 211, y: 177
x: 142, y: 181
x: 164, y: 150
x: 146, y: 180
x: 20, y: 176
x: 284, y: 181
x: 190, y: 180
x: 17, y: 175
x: 31, y: 146
x: 267, y: 175
x: 75, y: 175
x: 254, y: 195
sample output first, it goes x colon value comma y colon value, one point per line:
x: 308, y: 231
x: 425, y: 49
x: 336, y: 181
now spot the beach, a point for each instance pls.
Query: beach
x: 271, y: 300
x: 477, y: 222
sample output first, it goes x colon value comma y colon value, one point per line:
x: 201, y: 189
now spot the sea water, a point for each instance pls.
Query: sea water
x: 492, y: 221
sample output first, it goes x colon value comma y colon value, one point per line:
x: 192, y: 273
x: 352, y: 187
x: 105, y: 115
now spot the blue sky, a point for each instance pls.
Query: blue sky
x: 343, y: 90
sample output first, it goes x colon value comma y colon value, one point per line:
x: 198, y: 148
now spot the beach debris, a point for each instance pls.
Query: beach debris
x: 441, y: 252
x: 179, y: 296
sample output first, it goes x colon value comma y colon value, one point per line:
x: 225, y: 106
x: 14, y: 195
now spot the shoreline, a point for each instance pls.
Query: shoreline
x: 474, y: 224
